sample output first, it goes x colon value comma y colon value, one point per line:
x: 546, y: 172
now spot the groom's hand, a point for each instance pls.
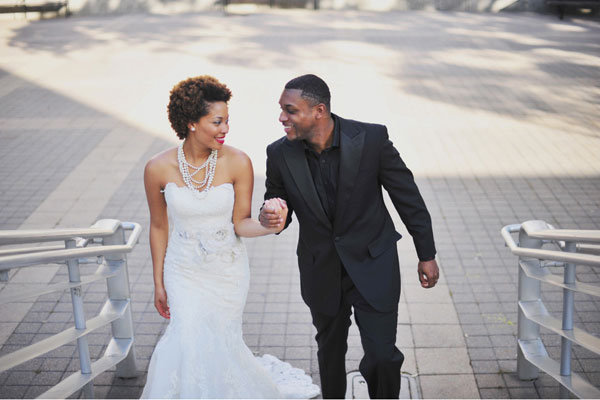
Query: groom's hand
x: 270, y: 215
x: 428, y: 273
x: 283, y: 213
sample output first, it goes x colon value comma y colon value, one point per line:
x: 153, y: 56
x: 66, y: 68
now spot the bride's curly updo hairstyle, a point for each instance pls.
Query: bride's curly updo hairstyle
x: 190, y: 100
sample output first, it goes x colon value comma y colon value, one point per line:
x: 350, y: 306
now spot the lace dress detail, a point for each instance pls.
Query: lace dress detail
x: 202, y: 353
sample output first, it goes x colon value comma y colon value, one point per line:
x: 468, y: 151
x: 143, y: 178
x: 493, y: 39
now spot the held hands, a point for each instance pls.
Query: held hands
x: 160, y: 302
x: 274, y: 214
x: 428, y: 273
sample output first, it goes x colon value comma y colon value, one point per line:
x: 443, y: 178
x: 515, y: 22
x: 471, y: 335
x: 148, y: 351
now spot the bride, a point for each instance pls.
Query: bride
x: 201, y: 267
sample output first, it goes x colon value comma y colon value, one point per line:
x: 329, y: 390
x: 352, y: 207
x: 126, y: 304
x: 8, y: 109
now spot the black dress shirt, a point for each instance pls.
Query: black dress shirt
x: 325, y: 170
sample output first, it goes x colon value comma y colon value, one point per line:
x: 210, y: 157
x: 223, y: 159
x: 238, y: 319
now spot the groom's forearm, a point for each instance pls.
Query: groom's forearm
x: 274, y: 189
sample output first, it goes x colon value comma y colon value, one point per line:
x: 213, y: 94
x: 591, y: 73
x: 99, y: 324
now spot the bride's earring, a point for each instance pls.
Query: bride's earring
x: 193, y: 129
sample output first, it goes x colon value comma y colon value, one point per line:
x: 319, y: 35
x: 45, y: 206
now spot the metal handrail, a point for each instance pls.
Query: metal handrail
x: 102, y: 228
x: 59, y: 256
x: 588, y: 248
x: 567, y: 235
x: 553, y: 255
x: 23, y: 250
x: 531, y: 352
x: 111, y: 255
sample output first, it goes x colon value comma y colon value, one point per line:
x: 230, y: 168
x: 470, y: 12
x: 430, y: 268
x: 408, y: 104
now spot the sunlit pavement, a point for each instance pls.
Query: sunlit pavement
x: 496, y: 114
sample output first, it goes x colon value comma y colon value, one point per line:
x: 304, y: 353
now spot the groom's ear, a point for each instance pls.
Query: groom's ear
x: 320, y: 111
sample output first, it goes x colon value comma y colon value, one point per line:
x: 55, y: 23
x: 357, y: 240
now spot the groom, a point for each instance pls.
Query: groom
x: 331, y: 171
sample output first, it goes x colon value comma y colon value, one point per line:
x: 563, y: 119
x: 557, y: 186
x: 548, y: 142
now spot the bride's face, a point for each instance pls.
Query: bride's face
x: 211, y: 129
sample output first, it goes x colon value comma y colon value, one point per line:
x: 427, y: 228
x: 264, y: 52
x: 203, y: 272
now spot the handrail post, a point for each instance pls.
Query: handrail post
x: 529, y: 290
x: 567, y: 318
x: 79, y: 318
x: 118, y: 289
x: 4, y: 276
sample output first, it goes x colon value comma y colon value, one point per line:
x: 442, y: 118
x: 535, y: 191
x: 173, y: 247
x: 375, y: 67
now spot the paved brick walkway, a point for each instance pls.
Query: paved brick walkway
x: 497, y: 115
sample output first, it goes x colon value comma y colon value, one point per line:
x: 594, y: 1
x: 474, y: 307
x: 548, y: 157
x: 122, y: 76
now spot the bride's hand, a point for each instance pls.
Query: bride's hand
x: 160, y: 302
x: 280, y: 207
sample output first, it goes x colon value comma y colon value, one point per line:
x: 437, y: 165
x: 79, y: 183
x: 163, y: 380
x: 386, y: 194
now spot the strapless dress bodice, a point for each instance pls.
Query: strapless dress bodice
x: 203, y: 220
x: 191, y: 211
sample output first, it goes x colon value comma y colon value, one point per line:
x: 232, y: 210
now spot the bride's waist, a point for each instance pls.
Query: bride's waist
x: 209, y: 239
x: 216, y: 230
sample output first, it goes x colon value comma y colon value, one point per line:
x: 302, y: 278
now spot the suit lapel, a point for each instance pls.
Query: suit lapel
x: 351, y: 146
x: 295, y: 159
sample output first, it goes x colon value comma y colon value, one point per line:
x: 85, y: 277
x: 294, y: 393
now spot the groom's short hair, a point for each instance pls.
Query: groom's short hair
x: 314, y: 89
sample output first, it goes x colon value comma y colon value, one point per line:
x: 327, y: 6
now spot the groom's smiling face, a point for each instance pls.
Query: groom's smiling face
x: 297, y: 115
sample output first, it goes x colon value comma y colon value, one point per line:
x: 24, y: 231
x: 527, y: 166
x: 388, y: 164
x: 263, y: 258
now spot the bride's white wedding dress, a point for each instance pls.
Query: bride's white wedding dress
x: 206, y: 275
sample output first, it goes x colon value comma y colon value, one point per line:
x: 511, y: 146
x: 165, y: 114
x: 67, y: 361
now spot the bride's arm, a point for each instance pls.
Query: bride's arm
x: 243, y: 185
x: 159, y: 233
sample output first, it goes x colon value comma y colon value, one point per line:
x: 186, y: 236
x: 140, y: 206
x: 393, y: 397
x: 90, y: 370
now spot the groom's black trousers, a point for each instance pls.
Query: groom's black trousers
x: 381, y: 363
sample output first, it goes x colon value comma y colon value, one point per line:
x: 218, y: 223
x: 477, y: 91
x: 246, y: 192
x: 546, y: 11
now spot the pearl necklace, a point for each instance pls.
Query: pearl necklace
x: 184, y: 167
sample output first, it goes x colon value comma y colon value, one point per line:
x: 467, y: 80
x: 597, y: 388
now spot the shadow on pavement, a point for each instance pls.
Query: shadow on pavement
x: 416, y: 52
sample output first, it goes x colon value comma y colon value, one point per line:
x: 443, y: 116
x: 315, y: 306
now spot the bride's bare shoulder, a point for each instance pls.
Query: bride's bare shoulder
x: 238, y: 164
x: 236, y: 157
x: 161, y: 161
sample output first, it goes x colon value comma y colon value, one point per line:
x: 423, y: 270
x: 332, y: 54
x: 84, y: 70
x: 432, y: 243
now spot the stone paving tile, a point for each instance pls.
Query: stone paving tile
x: 56, y: 152
x: 494, y: 393
x: 445, y: 386
x: 479, y: 341
x: 485, y: 367
x: 481, y: 354
x: 506, y: 353
x: 438, y: 335
x: 490, y: 381
x: 13, y: 392
x: 443, y: 361
x: 523, y: 393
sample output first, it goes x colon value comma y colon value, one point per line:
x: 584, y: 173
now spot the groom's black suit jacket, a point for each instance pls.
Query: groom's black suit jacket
x: 362, y: 237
